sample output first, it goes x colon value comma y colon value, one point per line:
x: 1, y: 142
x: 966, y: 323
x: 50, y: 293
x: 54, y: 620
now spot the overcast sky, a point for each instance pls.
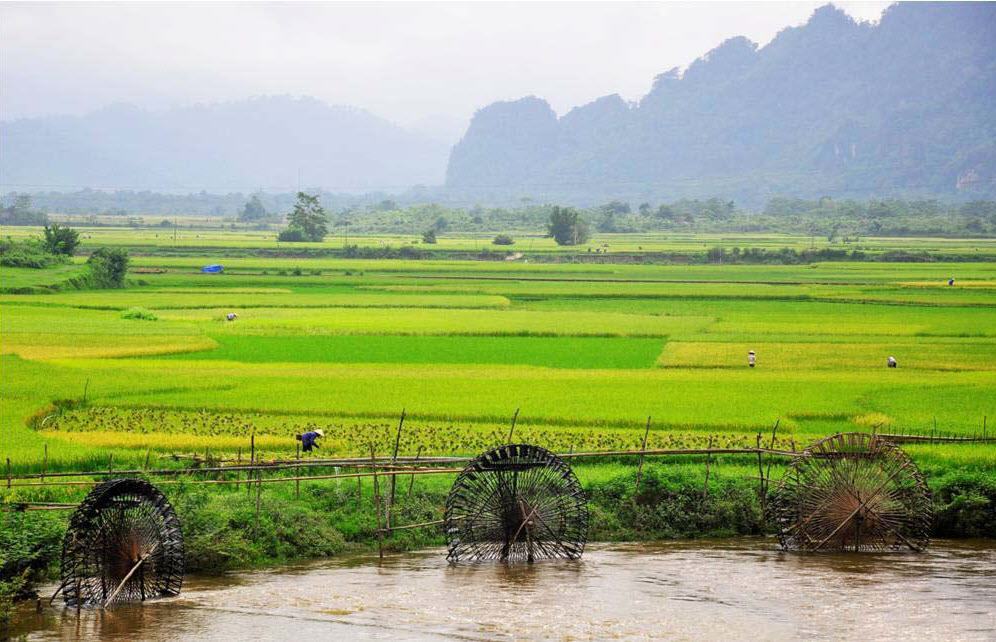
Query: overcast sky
x: 423, y: 64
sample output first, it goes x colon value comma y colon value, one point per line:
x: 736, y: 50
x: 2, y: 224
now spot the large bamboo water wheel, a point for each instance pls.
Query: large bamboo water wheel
x: 852, y: 492
x: 123, y: 545
x: 516, y: 503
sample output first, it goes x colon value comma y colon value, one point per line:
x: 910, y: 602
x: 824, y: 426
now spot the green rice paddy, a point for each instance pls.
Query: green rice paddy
x: 586, y: 351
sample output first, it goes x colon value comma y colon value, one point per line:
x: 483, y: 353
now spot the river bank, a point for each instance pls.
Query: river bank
x: 224, y: 530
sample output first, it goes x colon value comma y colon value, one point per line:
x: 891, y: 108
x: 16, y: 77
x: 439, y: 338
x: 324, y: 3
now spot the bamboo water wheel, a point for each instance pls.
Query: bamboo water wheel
x: 123, y: 545
x: 852, y: 492
x: 516, y: 503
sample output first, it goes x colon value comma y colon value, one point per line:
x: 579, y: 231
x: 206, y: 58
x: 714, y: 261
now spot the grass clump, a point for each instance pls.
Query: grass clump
x: 139, y: 314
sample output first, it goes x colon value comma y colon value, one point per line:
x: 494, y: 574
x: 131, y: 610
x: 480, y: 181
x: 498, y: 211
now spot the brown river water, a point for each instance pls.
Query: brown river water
x: 690, y: 590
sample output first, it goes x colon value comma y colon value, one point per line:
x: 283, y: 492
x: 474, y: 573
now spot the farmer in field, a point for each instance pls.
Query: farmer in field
x: 892, y: 362
x: 751, y: 359
x: 309, y: 440
x: 950, y: 281
x: 231, y: 316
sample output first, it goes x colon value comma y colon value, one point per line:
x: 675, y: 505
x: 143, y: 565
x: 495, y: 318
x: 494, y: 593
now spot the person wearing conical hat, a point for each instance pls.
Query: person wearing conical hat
x: 309, y: 440
x: 751, y: 358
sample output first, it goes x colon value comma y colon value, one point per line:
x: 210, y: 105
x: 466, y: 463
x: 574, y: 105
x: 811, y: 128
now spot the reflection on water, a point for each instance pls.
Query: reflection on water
x: 744, y: 589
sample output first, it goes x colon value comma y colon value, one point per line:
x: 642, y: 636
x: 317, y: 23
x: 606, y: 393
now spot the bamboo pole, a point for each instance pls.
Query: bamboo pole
x: 297, y: 483
x: 376, y: 489
x: 767, y: 472
x: 394, y: 478
x: 760, y: 474
x: 259, y: 494
x: 411, y: 481
x: 128, y: 576
x: 643, y: 453
x: 511, y: 429
x: 705, y: 487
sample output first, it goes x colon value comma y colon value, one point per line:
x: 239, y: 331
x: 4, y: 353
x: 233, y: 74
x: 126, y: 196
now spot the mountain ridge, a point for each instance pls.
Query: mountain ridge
x: 263, y: 141
x: 903, y: 107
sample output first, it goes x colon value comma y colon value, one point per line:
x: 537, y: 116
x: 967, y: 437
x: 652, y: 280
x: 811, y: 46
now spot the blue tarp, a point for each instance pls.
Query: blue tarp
x: 212, y: 269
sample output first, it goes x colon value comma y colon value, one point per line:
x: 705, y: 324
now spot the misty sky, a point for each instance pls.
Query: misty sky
x: 423, y: 65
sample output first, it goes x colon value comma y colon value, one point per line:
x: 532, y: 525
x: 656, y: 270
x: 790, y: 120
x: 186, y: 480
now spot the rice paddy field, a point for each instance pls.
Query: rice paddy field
x: 586, y: 352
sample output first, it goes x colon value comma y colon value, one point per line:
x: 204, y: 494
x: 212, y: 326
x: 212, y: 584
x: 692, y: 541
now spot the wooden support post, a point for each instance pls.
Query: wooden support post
x: 147, y: 453
x: 771, y: 446
x: 8, y: 472
x: 376, y: 489
x: 411, y: 482
x: 511, y: 429
x: 297, y: 471
x: 44, y: 463
x: 252, y: 460
x: 643, y: 451
x: 705, y: 488
x: 259, y: 493
x: 86, y: 389
x: 760, y: 477
x: 394, y: 478
x: 110, y: 464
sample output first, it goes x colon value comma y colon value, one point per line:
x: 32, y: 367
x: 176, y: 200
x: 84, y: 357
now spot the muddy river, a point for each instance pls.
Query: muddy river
x: 705, y: 589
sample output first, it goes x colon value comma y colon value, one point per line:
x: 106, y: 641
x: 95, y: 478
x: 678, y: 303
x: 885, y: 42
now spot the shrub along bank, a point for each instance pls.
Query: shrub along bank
x: 222, y: 529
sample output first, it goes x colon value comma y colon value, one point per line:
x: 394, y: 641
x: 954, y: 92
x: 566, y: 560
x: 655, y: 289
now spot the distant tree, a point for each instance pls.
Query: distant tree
x: 440, y: 224
x: 503, y: 239
x: 22, y: 203
x: 61, y: 239
x: 429, y: 236
x: 645, y: 209
x: 616, y: 207
x: 308, y: 221
x: 608, y: 222
x: 108, y: 267
x: 292, y: 235
x: 566, y: 226
x: 253, y: 210
x: 387, y: 205
x: 665, y: 212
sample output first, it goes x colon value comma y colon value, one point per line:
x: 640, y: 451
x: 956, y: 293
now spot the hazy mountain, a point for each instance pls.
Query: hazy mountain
x: 272, y: 142
x: 904, y: 107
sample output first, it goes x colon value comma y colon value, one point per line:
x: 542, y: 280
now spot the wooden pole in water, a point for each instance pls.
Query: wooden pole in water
x: 8, y: 472
x: 45, y: 463
x: 643, y: 452
x: 297, y: 471
x: 376, y: 489
x: 511, y: 429
x: 394, y: 461
x: 128, y: 576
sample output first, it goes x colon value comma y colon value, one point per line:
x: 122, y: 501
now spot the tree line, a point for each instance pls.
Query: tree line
x: 823, y: 217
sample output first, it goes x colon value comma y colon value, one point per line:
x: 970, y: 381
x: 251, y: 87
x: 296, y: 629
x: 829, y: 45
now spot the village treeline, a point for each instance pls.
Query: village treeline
x: 826, y: 217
